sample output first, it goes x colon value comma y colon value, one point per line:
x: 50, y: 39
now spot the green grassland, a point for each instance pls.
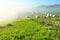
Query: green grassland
x: 31, y: 29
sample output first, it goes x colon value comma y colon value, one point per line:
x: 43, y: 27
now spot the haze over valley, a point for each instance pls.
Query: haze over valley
x: 13, y: 9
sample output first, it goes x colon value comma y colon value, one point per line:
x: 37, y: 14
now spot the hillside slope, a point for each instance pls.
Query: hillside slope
x: 29, y: 30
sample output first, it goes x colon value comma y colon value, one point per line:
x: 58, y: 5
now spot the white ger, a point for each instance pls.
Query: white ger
x: 50, y: 15
x: 47, y: 15
x: 27, y: 17
x: 53, y: 15
x: 37, y: 17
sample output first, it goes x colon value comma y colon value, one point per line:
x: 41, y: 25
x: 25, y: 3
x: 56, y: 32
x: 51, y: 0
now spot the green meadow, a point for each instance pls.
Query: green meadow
x: 31, y: 29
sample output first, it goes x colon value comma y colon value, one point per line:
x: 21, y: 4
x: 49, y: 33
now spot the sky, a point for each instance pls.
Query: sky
x: 10, y: 8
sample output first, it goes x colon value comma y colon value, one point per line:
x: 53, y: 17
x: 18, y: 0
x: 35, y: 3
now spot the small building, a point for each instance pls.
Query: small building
x: 50, y: 15
x: 37, y: 17
x: 47, y: 15
x: 53, y: 15
x: 27, y: 17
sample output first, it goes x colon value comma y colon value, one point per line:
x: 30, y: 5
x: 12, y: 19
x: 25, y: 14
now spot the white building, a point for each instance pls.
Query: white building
x: 50, y: 15
x: 53, y: 15
x: 47, y: 15
x: 37, y: 17
x: 27, y: 17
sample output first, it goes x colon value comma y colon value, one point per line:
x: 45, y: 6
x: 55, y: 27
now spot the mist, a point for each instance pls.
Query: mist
x: 9, y: 11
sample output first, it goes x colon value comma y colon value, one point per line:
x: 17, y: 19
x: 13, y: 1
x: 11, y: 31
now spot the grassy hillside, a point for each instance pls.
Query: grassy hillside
x: 31, y: 29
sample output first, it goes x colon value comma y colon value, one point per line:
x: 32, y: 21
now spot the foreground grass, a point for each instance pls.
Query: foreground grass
x: 29, y: 30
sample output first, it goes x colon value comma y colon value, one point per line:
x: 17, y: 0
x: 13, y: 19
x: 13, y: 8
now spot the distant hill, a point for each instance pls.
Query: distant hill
x: 46, y: 9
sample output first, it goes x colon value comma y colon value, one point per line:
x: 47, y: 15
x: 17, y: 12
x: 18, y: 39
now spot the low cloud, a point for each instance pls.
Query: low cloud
x: 9, y: 10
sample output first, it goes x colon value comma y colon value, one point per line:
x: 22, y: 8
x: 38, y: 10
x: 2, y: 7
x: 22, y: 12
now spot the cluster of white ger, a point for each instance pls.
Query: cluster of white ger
x: 35, y: 17
x: 48, y: 15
